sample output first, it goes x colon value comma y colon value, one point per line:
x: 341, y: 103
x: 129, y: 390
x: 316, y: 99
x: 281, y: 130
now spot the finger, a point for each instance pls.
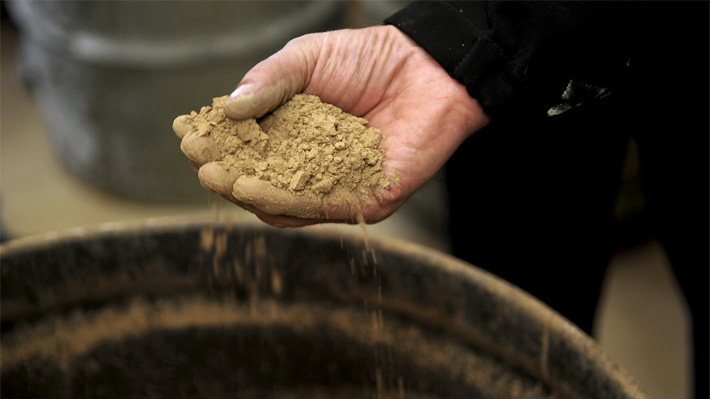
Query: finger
x: 338, y: 206
x: 199, y: 149
x: 276, y: 79
x: 271, y: 200
x: 289, y: 221
x: 181, y: 127
x: 219, y: 178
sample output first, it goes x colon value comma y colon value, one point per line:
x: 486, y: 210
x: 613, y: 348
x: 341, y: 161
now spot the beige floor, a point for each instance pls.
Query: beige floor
x: 642, y: 321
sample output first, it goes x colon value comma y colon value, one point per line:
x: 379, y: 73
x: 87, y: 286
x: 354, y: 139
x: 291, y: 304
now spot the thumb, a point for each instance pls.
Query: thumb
x: 274, y: 80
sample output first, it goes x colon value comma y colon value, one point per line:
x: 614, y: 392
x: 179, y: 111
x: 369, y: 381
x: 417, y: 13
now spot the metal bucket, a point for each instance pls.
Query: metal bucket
x: 110, y: 77
x: 187, y: 309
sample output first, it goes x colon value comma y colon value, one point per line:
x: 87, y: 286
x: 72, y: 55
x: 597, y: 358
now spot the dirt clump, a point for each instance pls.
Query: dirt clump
x: 306, y: 146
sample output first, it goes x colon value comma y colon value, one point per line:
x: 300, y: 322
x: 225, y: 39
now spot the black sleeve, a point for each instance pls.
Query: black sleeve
x: 531, y: 54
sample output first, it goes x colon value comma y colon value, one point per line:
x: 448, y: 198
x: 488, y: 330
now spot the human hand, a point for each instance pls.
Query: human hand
x: 377, y: 73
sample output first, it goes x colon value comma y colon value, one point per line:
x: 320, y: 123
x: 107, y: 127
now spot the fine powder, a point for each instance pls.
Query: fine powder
x: 306, y: 146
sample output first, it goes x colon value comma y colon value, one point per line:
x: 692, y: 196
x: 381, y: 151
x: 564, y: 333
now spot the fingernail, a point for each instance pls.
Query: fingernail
x: 241, y: 103
x: 240, y: 90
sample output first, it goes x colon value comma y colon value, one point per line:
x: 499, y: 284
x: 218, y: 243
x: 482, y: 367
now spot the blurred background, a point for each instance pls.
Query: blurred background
x: 87, y: 102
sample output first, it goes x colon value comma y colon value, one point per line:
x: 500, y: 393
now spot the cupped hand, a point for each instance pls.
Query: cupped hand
x: 377, y: 73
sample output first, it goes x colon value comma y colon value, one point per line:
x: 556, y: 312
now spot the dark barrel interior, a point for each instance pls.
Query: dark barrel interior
x: 209, y: 309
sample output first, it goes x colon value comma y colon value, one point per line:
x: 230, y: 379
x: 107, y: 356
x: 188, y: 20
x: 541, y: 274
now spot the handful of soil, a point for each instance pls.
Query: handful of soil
x: 305, y: 146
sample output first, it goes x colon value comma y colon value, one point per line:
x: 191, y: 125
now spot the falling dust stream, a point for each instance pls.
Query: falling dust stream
x: 387, y: 385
